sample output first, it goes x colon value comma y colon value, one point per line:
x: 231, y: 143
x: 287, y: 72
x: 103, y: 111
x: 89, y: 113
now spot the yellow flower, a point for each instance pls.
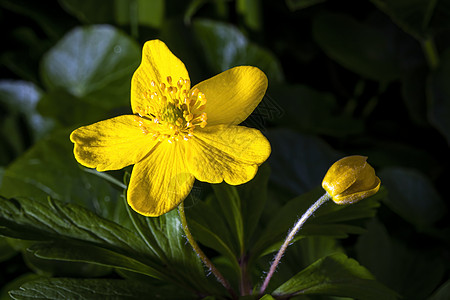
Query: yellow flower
x: 351, y: 179
x: 178, y: 133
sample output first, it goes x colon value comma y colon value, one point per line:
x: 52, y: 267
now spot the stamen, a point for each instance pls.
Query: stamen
x: 174, y: 110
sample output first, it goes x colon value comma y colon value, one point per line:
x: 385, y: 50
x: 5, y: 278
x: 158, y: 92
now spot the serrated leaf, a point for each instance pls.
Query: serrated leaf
x: 362, y: 48
x: 61, y: 268
x: 49, y: 169
x: 53, y: 220
x: 74, y: 252
x: 62, y: 288
x: 226, y: 47
x: 165, y: 238
x: 47, y: 220
x: 336, y: 275
x: 227, y: 221
x: 94, y: 64
x: 16, y: 283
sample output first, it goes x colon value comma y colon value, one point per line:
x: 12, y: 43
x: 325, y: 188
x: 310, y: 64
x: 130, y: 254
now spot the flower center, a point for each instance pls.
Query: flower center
x: 174, y: 108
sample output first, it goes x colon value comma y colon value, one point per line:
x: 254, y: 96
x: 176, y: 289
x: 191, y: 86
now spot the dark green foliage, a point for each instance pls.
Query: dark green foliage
x: 345, y: 77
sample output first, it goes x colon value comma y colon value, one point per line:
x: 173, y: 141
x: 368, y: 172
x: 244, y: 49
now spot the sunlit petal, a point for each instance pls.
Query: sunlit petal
x: 161, y: 181
x: 230, y: 153
x: 233, y: 95
x: 112, y: 144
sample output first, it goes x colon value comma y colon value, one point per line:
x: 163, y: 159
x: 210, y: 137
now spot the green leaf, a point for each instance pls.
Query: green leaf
x: 412, y: 196
x: 253, y: 197
x: 93, y: 63
x: 60, y: 288
x: 47, y: 220
x: 301, y: 4
x: 398, y: 265
x: 251, y: 12
x: 61, y: 268
x: 227, y: 221
x: 209, y: 228
x: 89, y: 11
x: 267, y: 297
x: 165, y: 238
x: 142, y: 12
x: 49, y: 169
x: 21, y: 97
x: 53, y: 220
x: 335, y: 275
x: 362, y: 48
x: 439, y: 95
x: 226, y: 47
x: 230, y: 204
x: 146, y: 13
x: 76, y: 252
x: 16, y: 283
x: 105, y: 242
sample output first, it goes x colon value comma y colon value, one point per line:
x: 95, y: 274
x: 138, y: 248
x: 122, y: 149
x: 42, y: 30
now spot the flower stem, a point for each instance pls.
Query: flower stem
x: 202, y: 255
x: 289, y: 238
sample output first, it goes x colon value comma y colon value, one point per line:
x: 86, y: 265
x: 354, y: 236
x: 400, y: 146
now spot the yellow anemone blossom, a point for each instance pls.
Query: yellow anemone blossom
x: 351, y: 179
x: 178, y: 133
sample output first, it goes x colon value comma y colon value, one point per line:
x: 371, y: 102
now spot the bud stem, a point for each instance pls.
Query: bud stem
x: 208, y: 263
x: 289, y: 238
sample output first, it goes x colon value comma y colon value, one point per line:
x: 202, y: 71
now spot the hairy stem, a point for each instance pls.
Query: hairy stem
x: 202, y: 255
x: 289, y: 238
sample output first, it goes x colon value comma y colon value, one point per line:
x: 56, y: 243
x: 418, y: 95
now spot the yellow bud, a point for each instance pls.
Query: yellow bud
x: 351, y: 179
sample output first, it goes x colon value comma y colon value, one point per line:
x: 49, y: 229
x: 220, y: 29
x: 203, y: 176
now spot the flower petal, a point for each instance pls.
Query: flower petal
x: 111, y: 144
x: 158, y: 62
x: 233, y: 95
x: 343, y: 173
x: 230, y: 153
x: 359, y: 192
x: 161, y: 181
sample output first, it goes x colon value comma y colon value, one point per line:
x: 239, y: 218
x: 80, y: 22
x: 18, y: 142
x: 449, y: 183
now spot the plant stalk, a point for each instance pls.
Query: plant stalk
x: 208, y: 263
x: 289, y: 238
